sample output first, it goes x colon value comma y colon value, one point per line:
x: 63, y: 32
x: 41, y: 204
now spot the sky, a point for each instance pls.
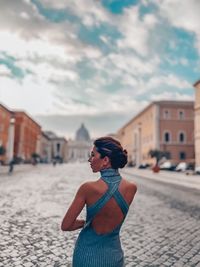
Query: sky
x: 96, y: 62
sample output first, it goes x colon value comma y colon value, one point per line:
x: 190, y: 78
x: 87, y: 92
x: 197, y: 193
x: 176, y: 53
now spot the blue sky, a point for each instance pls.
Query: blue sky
x: 97, y: 62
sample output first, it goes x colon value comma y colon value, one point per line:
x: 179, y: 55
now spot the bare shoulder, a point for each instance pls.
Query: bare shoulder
x: 129, y: 189
x: 131, y: 186
x: 85, y: 186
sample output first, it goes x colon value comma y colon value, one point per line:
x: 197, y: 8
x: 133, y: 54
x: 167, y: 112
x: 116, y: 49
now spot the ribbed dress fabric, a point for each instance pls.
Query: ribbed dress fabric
x: 101, y: 250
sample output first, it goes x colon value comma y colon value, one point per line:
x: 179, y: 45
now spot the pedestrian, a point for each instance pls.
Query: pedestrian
x: 107, y: 202
x: 11, y: 166
x: 54, y: 162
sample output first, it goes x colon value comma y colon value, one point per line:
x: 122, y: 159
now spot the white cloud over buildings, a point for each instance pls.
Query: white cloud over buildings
x: 63, y: 58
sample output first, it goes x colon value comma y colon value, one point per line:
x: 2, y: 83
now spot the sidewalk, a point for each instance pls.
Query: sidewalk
x: 177, y: 178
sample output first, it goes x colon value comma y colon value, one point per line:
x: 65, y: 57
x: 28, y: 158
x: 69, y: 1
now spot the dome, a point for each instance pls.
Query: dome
x: 82, y: 134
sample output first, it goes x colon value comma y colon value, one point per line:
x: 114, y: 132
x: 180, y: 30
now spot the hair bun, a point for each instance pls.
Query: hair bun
x: 108, y: 146
x: 125, y: 151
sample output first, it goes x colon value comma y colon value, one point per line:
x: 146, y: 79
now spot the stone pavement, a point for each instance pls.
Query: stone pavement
x: 162, y: 227
x: 17, y: 168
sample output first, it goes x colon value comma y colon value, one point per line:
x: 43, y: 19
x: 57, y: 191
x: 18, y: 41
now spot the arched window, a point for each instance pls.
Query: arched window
x: 181, y: 137
x: 167, y: 137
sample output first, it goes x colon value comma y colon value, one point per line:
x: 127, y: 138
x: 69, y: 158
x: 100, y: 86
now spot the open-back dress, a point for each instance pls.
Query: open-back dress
x: 101, y: 250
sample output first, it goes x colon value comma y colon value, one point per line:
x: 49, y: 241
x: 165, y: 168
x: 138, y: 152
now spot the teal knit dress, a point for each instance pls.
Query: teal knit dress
x: 101, y: 250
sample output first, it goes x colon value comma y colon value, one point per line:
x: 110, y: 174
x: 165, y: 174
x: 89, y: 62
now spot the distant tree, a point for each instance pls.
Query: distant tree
x: 2, y: 150
x: 35, y: 157
x: 158, y: 154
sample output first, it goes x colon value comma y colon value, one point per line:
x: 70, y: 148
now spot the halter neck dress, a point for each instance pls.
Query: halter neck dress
x: 101, y: 250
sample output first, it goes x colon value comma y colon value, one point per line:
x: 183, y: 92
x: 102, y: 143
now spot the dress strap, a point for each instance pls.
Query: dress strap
x: 112, y: 178
x: 121, y: 202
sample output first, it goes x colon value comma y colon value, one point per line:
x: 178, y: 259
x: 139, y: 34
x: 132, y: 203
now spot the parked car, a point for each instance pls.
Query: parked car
x: 181, y: 167
x: 167, y: 166
x: 143, y: 166
x: 131, y: 164
x: 197, y: 170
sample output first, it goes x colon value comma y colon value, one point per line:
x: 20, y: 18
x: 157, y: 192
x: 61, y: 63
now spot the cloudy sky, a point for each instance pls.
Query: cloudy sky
x: 96, y: 62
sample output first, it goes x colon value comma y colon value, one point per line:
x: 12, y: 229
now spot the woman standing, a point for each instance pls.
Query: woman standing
x: 107, y: 202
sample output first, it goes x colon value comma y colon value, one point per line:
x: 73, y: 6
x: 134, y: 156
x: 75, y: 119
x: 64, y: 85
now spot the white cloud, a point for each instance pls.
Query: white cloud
x: 38, y: 37
x: 169, y: 80
x: 4, y: 71
x: 136, y: 32
x: 176, y: 61
x: 24, y: 15
x: 133, y: 64
x: 50, y: 53
x: 182, y: 14
x: 47, y: 71
x: 171, y: 96
x: 56, y: 4
x: 27, y: 95
x: 91, y: 12
x: 104, y: 39
x: 29, y: 48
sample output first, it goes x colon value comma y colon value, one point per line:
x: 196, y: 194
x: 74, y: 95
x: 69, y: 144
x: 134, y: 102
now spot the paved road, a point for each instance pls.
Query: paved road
x: 162, y: 227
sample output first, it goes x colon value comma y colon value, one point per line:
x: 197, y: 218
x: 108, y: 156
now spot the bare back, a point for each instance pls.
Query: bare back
x: 111, y: 215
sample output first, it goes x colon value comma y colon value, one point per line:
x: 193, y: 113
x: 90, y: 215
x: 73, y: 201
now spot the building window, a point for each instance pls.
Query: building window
x: 58, y: 147
x: 181, y: 115
x: 166, y: 114
x: 168, y: 155
x: 181, y: 137
x: 167, y: 137
x: 182, y: 155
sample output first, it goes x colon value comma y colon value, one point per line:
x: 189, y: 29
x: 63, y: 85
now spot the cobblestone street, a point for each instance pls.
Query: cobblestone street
x: 162, y: 227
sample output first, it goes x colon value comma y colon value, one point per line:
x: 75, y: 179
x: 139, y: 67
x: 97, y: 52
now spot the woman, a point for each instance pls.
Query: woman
x: 107, y: 201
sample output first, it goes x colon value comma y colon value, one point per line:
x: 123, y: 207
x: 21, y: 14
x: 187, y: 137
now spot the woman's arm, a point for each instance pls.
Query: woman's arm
x: 76, y: 225
x: 70, y: 222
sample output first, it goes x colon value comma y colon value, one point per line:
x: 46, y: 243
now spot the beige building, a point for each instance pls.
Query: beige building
x: 55, y: 148
x: 163, y: 125
x: 197, y: 123
x: 45, y: 147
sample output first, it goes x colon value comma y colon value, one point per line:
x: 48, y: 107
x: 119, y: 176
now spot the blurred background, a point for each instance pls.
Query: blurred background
x: 71, y: 71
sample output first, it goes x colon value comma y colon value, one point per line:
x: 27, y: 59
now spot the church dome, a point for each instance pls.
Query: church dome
x: 82, y: 134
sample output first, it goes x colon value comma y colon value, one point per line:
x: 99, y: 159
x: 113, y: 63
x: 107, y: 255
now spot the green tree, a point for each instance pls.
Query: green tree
x: 158, y: 154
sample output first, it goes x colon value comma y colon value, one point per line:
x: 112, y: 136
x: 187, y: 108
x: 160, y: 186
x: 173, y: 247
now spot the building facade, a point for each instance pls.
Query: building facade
x: 6, y: 133
x: 45, y: 150
x: 54, y: 147
x: 27, y: 136
x: 59, y: 148
x: 197, y: 123
x: 167, y: 126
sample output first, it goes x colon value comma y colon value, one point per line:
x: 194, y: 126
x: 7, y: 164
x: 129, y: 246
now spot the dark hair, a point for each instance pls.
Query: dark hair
x: 108, y: 146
